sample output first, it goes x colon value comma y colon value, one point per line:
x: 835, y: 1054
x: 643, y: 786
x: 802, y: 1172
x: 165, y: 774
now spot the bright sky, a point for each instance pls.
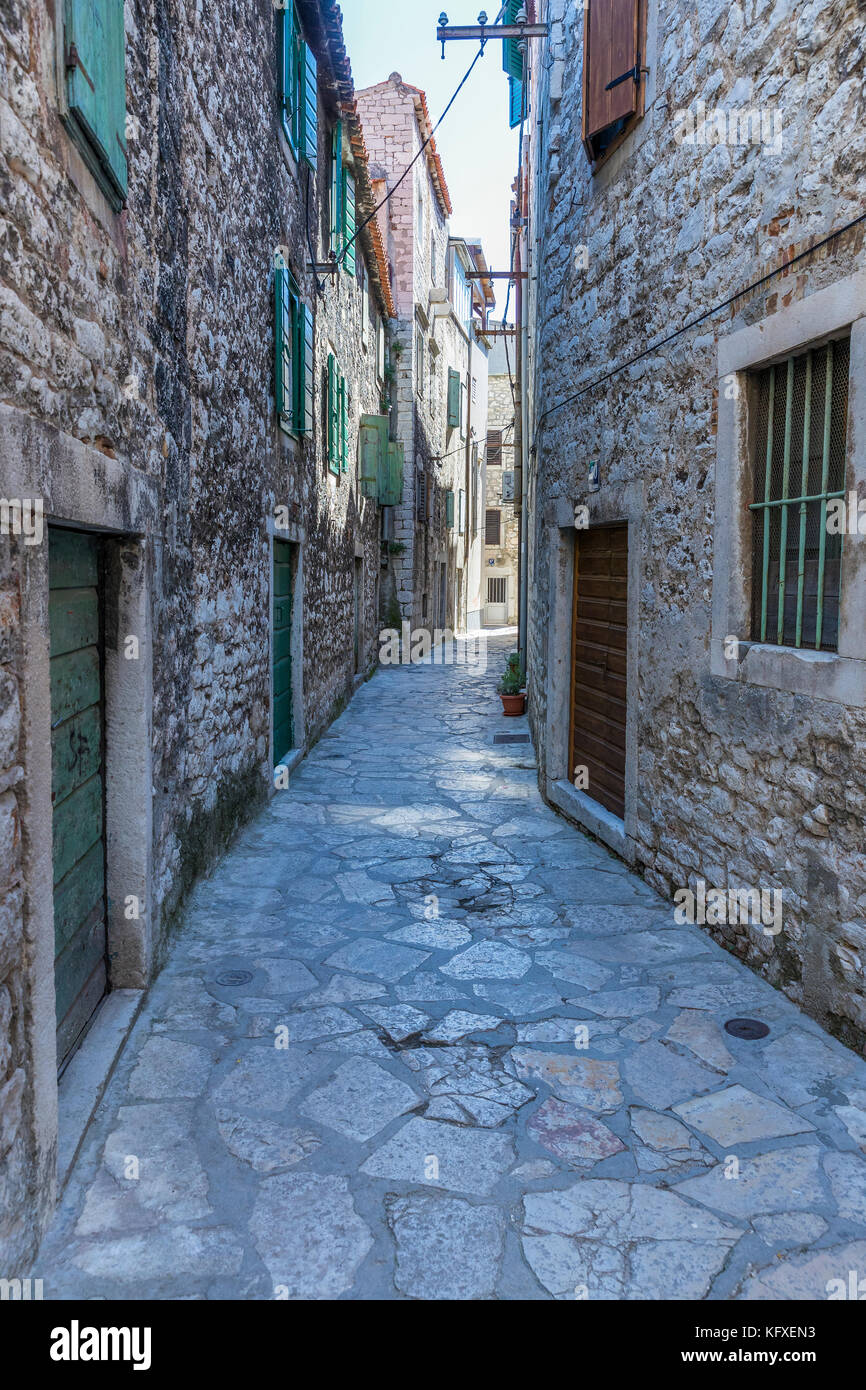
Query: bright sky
x: 479, y: 152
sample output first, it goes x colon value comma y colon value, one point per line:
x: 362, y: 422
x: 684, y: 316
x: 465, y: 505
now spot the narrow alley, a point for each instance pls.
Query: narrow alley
x: 422, y: 1038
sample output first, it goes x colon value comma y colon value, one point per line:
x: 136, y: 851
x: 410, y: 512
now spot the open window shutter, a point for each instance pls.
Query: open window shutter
x: 309, y: 95
x: 391, y: 489
x: 344, y: 426
x: 337, y: 188
x: 283, y: 317
x: 308, y: 388
x: 333, y: 418
x: 515, y: 102
x: 611, y: 52
x: 449, y: 508
x: 512, y: 58
x: 453, y: 398
x: 373, y: 450
x: 349, y: 220
x: 287, y: 64
x: 95, y: 56
x: 461, y: 518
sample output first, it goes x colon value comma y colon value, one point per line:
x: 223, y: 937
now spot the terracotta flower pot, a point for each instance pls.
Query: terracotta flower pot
x: 514, y: 704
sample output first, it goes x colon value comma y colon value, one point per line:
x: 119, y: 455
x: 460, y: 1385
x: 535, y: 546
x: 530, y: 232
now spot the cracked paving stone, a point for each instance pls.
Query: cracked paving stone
x: 398, y: 1021
x: 266, y: 1079
x: 738, y: 1116
x: 360, y: 1100
x: 660, y: 1077
x: 446, y: 1247
x: 444, y: 935
x: 369, y: 956
x: 784, y: 1180
x: 587, y: 974
x: 367, y: 1043
x: 443, y: 1155
x: 579, y: 1139
x: 581, y: 1080
x: 266, y: 1146
x: 488, y: 960
x: 191, y: 1006
x: 358, y: 887
x: 615, y: 1240
x: 702, y: 1036
x: 825, y: 1274
x: 467, y: 1084
x: 427, y: 988
x: 309, y: 1235
x: 458, y: 1024
x: 167, y: 1068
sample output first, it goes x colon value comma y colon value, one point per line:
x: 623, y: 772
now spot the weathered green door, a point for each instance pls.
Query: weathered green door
x: 76, y: 782
x: 283, y: 730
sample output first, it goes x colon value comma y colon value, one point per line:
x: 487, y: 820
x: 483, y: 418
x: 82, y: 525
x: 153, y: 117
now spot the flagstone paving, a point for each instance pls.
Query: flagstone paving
x: 421, y: 1038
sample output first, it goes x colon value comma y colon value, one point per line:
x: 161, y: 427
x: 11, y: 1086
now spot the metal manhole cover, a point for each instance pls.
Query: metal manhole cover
x: 511, y: 738
x: 749, y: 1028
x: 234, y: 977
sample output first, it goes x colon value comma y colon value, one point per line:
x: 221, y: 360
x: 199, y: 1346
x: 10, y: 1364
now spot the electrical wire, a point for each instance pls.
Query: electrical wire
x: 437, y: 458
x: 695, y: 322
x: 406, y: 172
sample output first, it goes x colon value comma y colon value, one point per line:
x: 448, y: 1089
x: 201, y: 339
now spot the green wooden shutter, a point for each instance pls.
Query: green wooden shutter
x: 288, y: 72
x: 449, y: 508
x: 512, y: 58
x: 307, y: 373
x: 349, y: 220
x: 337, y: 189
x: 515, y: 102
x: 333, y: 418
x: 309, y: 96
x: 453, y: 398
x: 373, y: 449
x: 95, y: 57
x: 391, y: 489
x: 283, y: 336
x: 344, y: 426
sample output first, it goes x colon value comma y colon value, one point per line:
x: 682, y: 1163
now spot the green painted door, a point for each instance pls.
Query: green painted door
x: 283, y: 730
x: 75, y: 620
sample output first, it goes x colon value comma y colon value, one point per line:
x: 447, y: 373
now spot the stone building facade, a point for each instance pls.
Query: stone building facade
x: 695, y: 236
x: 502, y: 527
x: 195, y: 594
x: 439, y: 368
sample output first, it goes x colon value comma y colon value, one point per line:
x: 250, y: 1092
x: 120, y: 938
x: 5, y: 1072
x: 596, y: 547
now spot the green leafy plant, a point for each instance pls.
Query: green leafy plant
x: 513, y: 677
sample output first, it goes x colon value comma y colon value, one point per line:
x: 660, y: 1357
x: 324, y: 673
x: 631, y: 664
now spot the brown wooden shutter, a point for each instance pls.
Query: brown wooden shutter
x: 494, y: 447
x: 491, y: 528
x: 611, y: 48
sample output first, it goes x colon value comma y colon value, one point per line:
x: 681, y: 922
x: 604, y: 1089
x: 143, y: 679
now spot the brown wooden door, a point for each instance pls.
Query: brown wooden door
x: 598, y: 678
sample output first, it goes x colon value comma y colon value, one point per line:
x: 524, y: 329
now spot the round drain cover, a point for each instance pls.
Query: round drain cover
x: 749, y: 1028
x: 234, y: 977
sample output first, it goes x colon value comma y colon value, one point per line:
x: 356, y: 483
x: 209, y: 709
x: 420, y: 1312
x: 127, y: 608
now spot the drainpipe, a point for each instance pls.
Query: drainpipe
x: 519, y: 469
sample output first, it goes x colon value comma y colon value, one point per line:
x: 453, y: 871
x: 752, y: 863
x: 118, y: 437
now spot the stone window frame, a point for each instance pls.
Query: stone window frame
x: 614, y: 503
x: 838, y: 676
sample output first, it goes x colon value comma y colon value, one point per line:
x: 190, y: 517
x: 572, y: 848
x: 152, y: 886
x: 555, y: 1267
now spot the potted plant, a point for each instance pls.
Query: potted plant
x: 511, y: 687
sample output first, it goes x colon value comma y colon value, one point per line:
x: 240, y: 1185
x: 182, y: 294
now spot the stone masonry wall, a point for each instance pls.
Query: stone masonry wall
x: 149, y: 335
x: 507, y: 554
x: 736, y: 784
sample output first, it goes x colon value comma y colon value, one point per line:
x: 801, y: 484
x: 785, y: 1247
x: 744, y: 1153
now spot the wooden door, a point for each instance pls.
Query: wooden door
x: 599, y: 674
x: 282, y: 651
x: 77, y: 792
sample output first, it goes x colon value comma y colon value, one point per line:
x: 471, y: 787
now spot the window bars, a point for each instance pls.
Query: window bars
x: 800, y: 439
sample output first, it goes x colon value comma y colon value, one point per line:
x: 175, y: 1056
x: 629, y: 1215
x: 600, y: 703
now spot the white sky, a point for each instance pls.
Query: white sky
x: 479, y: 152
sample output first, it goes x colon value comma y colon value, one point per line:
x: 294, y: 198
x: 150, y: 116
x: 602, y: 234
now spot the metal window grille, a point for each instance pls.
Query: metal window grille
x: 497, y: 590
x: 799, y: 465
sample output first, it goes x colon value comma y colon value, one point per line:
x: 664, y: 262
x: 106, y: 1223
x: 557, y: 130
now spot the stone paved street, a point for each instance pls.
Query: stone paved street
x: 422, y: 1038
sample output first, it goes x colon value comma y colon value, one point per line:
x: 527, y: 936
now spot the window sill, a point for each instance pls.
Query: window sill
x: 819, y: 675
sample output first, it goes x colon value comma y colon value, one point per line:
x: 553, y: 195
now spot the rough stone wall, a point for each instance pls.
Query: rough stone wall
x: 150, y: 336
x: 506, y: 556
x: 736, y: 784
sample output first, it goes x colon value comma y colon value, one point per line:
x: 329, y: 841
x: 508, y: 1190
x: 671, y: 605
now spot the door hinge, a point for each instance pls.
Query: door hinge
x: 74, y: 61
